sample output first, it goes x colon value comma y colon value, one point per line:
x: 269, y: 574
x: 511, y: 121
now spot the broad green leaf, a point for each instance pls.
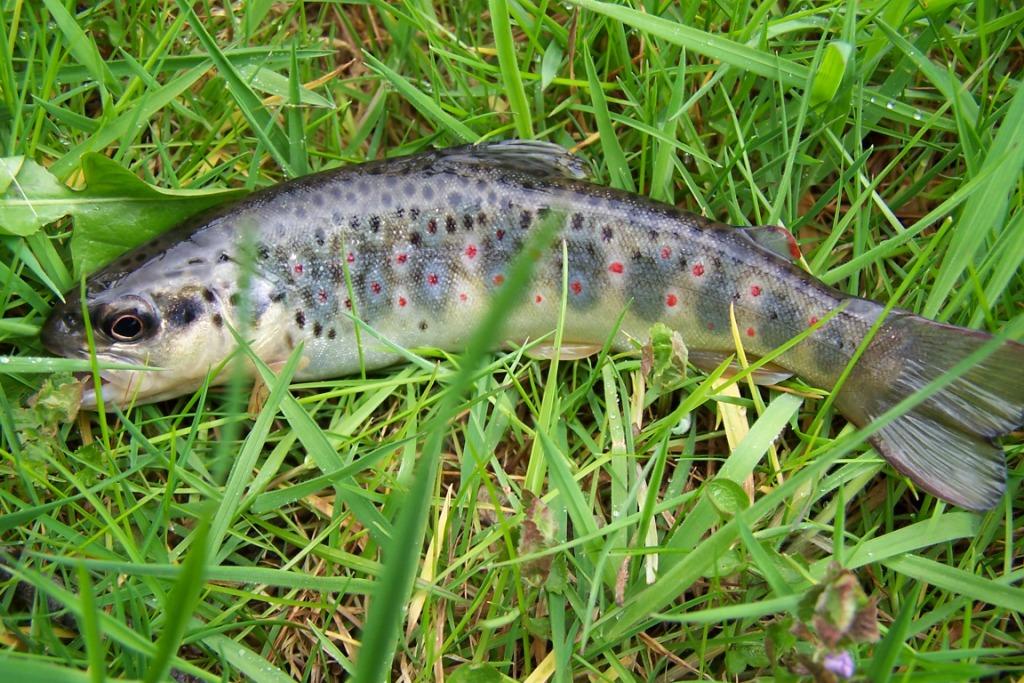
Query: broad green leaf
x: 31, y: 197
x: 115, y: 212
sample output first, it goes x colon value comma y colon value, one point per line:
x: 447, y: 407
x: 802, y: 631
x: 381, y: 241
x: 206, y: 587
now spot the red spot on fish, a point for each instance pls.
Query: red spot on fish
x: 351, y: 257
x: 348, y: 304
x: 298, y: 269
x: 711, y: 326
x: 471, y: 251
x: 402, y: 302
x: 666, y: 252
x: 432, y: 279
x: 538, y: 298
x: 375, y: 286
x: 498, y: 279
x: 755, y: 291
x: 698, y: 270
x: 576, y: 287
x: 616, y: 268
x: 402, y: 258
x: 750, y: 332
x: 463, y: 296
x: 500, y: 234
x: 322, y: 295
x: 813, y: 320
x: 671, y: 300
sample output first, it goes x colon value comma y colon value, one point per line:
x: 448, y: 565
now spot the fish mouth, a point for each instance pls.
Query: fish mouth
x: 117, y: 388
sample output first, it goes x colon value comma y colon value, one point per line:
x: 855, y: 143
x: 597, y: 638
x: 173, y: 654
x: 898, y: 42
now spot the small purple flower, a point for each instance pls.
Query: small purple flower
x: 839, y: 663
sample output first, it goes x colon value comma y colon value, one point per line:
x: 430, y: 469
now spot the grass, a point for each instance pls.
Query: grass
x: 187, y: 539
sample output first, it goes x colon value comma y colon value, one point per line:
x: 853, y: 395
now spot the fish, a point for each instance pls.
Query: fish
x: 416, y: 247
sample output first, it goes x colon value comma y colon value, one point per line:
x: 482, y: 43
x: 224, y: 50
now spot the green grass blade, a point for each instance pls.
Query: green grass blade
x: 263, y: 125
x: 509, y: 64
x: 987, y: 206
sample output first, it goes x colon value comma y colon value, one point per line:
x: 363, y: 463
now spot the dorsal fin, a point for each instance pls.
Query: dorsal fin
x: 532, y: 157
x: 775, y: 239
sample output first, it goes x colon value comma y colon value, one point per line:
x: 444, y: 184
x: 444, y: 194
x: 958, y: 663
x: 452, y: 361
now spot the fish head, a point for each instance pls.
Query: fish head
x: 174, y: 329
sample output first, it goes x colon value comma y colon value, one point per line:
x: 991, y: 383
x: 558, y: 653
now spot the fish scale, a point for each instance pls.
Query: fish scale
x: 417, y: 246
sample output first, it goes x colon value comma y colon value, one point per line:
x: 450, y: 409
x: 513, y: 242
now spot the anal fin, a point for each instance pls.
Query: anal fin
x: 765, y: 375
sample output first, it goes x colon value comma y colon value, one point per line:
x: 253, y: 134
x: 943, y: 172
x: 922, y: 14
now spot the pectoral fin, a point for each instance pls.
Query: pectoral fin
x: 567, y: 351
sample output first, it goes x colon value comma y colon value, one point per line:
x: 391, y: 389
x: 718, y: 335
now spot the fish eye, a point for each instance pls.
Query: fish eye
x: 125, y: 327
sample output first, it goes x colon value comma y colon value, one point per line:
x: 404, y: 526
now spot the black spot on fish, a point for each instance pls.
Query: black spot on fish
x: 235, y: 299
x: 353, y: 222
x: 318, y: 329
x: 606, y: 234
x: 450, y: 224
x: 414, y: 213
x: 432, y: 226
x: 223, y: 258
x: 374, y: 223
x: 415, y: 239
x: 525, y: 218
x: 653, y: 234
x: 195, y: 261
x: 183, y: 311
x: 716, y: 262
x: 400, y: 212
x: 300, y: 319
x: 208, y: 294
x: 218, y: 320
x: 319, y: 237
x: 277, y: 296
x: 331, y: 333
x: 577, y: 221
x: 262, y: 251
x: 481, y: 218
x: 467, y: 221
x: 423, y: 325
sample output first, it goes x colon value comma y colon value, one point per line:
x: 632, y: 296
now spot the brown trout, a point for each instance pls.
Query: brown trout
x: 416, y: 246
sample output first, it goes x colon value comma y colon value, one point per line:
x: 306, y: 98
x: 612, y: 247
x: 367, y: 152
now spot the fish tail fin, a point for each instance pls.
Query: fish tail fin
x: 945, y: 444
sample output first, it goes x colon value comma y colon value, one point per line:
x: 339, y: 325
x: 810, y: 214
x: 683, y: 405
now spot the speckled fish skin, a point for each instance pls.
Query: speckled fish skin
x: 416, y: 247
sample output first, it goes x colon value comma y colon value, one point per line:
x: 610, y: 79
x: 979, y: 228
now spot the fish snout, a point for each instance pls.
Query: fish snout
x: 63, y: 332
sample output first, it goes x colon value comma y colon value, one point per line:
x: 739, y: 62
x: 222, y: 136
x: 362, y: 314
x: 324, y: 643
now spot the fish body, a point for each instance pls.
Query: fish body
x: 417, y: 246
